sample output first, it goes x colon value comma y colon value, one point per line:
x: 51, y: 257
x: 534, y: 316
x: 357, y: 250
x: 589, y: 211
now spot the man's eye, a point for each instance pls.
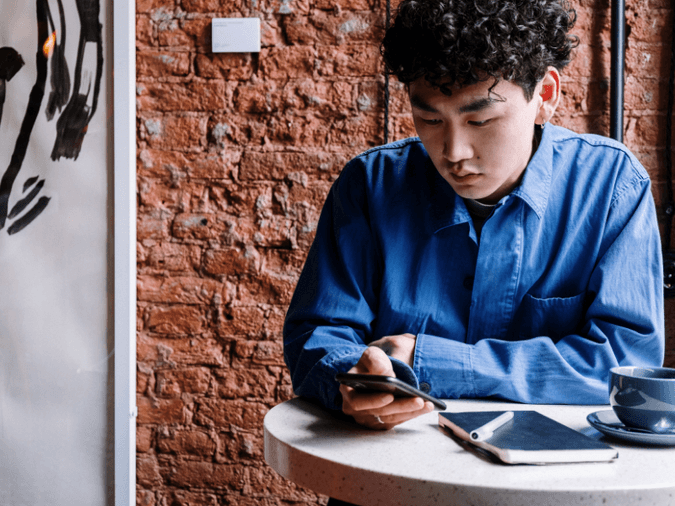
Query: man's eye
x: 480, y: 123
x: 432, y: 121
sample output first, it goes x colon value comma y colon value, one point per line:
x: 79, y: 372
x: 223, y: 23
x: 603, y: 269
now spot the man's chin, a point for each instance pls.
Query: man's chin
x: 474, y: 194
x: 481, y: 195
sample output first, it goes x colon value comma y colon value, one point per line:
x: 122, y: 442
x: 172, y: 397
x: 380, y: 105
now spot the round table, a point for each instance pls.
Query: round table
x: 419, y: 464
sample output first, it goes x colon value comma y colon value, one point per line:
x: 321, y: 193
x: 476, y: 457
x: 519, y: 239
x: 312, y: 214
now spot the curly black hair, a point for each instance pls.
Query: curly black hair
x: 462, y: 42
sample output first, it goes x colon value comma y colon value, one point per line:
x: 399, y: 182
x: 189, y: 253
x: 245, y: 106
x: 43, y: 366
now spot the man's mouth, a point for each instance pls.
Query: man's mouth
x: 464, y: 176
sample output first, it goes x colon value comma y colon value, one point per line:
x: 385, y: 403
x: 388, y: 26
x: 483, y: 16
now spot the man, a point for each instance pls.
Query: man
x: 494, y: 256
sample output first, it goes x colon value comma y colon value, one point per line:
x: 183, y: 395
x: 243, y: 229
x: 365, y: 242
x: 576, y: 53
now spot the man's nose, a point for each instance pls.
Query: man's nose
x: 456, y: 146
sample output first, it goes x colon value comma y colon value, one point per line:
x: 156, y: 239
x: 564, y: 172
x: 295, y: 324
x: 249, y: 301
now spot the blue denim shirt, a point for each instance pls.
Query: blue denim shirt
x: 565, y: 283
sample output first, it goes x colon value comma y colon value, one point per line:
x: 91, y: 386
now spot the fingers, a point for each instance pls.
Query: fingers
x: 374, y: 361
x: 390, y: 421
x: 394, y: 407
x: 381, y: 410
x: 386, y: 422
x: 355, y: 402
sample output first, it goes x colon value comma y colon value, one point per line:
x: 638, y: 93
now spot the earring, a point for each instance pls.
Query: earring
x: 547, y: 92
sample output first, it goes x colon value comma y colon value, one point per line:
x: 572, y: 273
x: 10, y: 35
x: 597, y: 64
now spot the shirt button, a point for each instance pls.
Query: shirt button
x: 468, y: 282
x: 425, y: 387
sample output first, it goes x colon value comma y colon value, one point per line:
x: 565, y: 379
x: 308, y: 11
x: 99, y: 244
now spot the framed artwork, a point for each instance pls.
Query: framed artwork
x: 67, y: 268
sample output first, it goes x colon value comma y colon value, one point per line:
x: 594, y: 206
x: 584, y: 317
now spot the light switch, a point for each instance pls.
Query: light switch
x: 235, y: 35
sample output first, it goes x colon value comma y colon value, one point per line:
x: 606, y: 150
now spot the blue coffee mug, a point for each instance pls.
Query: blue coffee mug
x: 644, y: 397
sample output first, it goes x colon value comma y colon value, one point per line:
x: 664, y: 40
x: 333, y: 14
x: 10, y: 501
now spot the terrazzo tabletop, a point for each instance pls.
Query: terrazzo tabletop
x: 418, y: 464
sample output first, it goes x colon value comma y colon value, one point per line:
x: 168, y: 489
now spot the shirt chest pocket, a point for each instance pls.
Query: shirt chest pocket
x: 555, y: 317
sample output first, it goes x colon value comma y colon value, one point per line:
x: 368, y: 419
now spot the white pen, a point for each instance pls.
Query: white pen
x: 486, y: 431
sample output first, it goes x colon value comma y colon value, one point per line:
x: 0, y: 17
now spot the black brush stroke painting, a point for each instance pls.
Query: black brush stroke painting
x: 10, y: 63
x: 72, y: 125
x: 60, y: 77
x: 75, y: 109
x: 32, y: 111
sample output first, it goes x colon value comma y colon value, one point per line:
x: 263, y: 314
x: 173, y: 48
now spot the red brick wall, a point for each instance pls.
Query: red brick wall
x: 235, y: 156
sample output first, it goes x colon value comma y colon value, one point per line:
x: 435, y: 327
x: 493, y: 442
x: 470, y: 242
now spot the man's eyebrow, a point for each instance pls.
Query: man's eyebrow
x: 477, y: 105
x: 418, y: 103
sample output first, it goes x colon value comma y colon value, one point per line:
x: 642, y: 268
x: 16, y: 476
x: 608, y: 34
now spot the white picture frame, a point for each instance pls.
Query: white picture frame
x: 124, y: 114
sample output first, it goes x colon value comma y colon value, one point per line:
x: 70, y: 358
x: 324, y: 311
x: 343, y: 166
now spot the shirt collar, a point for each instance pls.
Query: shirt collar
x: 535, y: 187
x: 447, y: 209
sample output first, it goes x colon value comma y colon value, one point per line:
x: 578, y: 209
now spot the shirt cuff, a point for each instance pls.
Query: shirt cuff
x: 404, y: 372
x: 332, y: 364
x: 444, y: 367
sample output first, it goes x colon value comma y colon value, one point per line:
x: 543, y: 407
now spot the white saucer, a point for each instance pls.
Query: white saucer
x: 609, y: 424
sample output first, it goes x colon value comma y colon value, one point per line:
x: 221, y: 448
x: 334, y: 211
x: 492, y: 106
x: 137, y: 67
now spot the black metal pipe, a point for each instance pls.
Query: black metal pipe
x: 616, y: 80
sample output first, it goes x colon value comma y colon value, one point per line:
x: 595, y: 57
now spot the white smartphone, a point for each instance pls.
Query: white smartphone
x: 376, y: 383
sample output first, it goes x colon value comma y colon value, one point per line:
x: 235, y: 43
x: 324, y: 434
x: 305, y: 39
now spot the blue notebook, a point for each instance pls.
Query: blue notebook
x: 528, y: 438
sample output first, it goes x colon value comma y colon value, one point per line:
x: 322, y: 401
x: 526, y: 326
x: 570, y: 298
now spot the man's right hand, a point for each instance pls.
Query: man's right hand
x: 379, y: 410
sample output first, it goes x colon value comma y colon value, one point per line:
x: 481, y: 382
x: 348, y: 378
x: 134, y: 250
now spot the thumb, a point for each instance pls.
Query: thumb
x: 375, y: 361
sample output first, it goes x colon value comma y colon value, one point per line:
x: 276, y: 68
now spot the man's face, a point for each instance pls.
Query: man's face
x: 480, y: 142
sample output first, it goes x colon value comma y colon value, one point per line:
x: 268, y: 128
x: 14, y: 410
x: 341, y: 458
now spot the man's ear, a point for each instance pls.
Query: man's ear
x: 548, y: 93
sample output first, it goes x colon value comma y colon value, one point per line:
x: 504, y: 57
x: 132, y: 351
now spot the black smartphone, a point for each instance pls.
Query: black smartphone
x: 375, y: 383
